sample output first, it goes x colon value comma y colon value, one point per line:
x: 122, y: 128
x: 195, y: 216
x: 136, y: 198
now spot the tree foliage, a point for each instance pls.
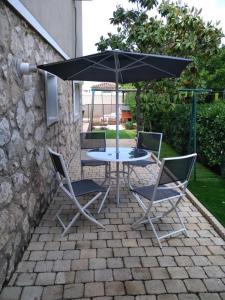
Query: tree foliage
x: 214, y: 75
x: 176, y: 30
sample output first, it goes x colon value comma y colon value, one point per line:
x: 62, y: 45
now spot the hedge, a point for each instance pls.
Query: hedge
x: 175, y: 125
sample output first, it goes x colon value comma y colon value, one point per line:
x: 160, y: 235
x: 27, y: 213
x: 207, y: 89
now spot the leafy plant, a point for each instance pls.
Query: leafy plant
x: 177, y: 30
x: 129, y: 125
x: 175, y: 125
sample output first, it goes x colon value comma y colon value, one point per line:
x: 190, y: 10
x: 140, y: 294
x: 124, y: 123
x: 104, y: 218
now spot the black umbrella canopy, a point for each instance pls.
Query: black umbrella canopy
x: 130, y: 67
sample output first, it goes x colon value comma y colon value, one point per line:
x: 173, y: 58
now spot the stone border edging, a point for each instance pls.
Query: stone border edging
x: 204, y: 211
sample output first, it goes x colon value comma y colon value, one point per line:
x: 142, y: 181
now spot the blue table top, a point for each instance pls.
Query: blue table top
x: 124, y: 154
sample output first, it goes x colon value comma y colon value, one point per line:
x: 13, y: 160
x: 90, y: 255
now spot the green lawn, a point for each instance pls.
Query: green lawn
x: 209, y: 188
x: 124, y: 134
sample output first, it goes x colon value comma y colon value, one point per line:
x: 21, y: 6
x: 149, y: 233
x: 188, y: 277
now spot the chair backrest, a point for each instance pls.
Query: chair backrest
x: 176, y: 170
x: 150, y: 141
x: 58, y: 163
x: 93, y: 140
x: 61, y: 170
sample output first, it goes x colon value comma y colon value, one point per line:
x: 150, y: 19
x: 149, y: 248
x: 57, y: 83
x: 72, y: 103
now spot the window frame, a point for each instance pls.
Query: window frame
x: 52, y: 99
x: 76, y: 100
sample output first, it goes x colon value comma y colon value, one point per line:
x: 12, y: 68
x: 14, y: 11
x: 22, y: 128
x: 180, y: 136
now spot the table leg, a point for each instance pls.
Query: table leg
x: 117, y: 182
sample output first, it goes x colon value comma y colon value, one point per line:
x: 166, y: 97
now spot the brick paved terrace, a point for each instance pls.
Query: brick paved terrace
x: 120, y: 263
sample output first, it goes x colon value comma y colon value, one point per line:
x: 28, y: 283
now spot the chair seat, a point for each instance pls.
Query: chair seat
x: 147, y: 192
x: 92, y: 162
x: 141, y: 163
x: 84, y: 187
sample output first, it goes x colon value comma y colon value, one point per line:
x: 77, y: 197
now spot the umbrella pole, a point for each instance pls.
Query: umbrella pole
x: 117, y: 131
x: 117, y: 116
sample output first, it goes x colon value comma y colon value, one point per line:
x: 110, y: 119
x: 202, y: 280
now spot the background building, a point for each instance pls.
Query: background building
x: 36, y: 111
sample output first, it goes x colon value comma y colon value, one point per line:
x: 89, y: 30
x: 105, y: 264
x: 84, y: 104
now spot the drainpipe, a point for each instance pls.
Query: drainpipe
x: 75, y: 29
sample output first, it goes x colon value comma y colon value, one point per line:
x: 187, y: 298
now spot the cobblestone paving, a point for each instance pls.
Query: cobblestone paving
x: 120, y: 263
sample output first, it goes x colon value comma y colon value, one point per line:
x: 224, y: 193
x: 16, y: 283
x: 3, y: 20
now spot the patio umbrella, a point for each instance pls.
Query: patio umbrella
x: 119, y: 67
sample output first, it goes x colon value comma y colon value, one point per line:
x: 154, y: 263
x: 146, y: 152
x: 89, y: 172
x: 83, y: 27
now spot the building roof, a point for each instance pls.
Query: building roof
x: 104, y: 86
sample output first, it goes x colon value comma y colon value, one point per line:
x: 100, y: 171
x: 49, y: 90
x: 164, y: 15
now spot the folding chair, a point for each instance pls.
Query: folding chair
x: 73, y: 190
x: 170, y: 187
x: 93, y: 140
x: 150, y: 141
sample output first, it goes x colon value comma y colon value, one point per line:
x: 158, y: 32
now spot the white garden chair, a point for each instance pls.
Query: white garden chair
x: 170, y: 187
x: 75, y: 189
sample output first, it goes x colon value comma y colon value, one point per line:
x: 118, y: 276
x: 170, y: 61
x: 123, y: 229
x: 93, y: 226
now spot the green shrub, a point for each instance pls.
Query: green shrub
x: 131, y: 102
x: 175, y: 125
x: 129, y: 125
x: 211, y: 134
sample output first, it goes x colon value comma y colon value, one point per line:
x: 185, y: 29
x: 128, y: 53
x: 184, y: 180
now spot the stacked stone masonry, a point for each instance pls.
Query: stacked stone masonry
x: 26, y: 181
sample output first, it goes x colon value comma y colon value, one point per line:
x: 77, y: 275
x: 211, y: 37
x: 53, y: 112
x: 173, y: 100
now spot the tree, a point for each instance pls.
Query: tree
x: 215, y: 73
x: 177, y: 30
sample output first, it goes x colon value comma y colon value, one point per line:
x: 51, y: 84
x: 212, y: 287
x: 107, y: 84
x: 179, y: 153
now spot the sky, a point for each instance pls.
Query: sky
x: 96, y: 15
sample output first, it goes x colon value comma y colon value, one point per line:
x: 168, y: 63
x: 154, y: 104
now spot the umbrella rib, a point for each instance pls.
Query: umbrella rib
x: 103, y: 67
x: 129, y: 66
x: 94, y: 63
x: 148, y: 65
x: 135, y: 60
x: 119, y: 70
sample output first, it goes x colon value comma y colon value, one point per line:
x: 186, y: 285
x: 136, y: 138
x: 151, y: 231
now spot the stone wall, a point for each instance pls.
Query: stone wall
x: 26, y: 176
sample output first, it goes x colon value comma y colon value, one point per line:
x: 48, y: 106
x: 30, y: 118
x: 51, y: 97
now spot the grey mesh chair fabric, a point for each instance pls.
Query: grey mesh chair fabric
x: 150, y: 141
x: 170, y: 187
x: 93, y: 140
x: 73, y: 190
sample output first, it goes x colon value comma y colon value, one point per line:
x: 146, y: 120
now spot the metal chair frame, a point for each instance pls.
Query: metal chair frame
x: 64, y: 179
x: 99, y: 163
x: 131, y: 167
x: 178, y: 186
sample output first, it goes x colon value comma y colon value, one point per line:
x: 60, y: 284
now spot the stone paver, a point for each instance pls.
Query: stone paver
x: 32, y: 293
x: 26, y: 266
x: 64, y: 277
x: 196, y: 272
x: 120, y: 263
x: 45, y: 279
x: 141, y: 273
x: 115, y: 263
x: 84, y: 276
x: 122, y: 274
x: 44, y: 266
x: 73, y: 291
x: 114, y: 288
x: 167, y: 297
x: 11, y: 293
x: 61, y: 265
x: 25, y: 279
x: 80, y: 264
x: 209, y: 296
x: 189, y: 296
x: 103, y: 275
x: 177, y: 272
x: 155, y: 287
x: 94, y: 289
x: 97, y: 263
x: 175, y: 286
x: 214, y: 285
x: 195, y: 285
x: 54, y: 292
x: 135, y: 287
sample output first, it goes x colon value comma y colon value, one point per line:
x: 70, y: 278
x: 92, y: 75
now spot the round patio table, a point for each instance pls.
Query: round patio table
x: 124, y: 155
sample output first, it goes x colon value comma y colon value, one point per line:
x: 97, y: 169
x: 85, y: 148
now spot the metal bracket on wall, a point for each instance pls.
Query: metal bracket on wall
x: 23, y: 68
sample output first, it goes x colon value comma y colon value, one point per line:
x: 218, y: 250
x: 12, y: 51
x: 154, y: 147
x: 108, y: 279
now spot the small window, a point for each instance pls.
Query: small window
x: 51, y: 94
x: 76, y: 100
